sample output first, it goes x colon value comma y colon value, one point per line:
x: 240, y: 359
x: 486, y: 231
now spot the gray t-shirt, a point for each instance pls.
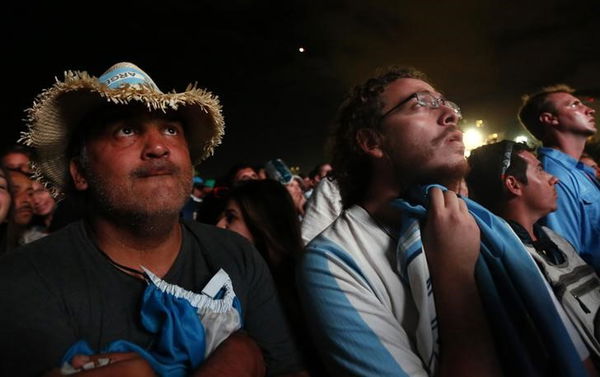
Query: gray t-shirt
x: 62, y: 289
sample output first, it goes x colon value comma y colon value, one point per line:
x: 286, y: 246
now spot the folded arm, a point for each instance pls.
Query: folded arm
x: 238, y: 355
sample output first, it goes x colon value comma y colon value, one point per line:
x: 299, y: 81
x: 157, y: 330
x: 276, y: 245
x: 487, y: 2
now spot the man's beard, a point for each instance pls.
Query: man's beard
x: 415, y: 171
x: 448, y: 176
x: 142, y: 214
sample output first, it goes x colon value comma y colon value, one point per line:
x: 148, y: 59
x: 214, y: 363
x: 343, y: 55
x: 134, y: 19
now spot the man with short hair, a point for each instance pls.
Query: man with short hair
x: 563, y: 123
x: 240, y: 172
x: 21, y: 190
x: 401, y: 283
x: 21, y: 212
x: 509, y: 180
x: 131, y: 290
x: 17, y: 157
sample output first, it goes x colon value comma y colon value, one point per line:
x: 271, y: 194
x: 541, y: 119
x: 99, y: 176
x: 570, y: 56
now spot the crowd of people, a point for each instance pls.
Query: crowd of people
x: 399, y: 257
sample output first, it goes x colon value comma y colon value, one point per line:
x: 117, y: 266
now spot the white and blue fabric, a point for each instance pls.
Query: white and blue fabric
x: 519, y: 308
x: 368, y: 298
x: 121, y: 74
x: 414, y: 272
x: 188, y: 326
x: 360, y: 314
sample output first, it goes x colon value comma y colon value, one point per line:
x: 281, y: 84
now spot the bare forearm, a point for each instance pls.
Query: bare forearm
x: 451, y: 242
x: 466, y: 343
x: 119, y: 364
x: 238, y: 355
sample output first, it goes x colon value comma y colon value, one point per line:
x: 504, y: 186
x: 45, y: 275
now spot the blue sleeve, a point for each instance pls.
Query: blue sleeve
x: 565, y: 220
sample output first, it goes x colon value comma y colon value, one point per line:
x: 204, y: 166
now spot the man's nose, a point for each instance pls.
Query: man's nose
x: 155, y: 144
x: 449, y: 116
x: 26, y: 200
x: 589, y: 110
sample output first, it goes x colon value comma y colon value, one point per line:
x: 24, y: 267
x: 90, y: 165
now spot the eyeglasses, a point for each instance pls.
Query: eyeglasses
x: 429, y: 100
x: 508, y: 148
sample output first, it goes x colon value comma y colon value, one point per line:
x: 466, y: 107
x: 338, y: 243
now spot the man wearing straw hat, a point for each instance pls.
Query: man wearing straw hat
x: 131, y: 289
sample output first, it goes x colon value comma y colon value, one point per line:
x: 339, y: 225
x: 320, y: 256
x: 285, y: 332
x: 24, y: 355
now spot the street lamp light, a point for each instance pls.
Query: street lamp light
x: 472, y: 138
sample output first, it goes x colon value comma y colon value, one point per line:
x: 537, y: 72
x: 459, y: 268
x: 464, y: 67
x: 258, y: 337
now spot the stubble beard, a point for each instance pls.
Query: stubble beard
x: 415, y: 173
x: 414, y: 170
x: 590, y: 132
x: 145, y: 215
x: 448, y: 175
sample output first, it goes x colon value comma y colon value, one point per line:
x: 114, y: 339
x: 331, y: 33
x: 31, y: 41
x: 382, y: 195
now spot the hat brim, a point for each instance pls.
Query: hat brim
x: 58, y: 111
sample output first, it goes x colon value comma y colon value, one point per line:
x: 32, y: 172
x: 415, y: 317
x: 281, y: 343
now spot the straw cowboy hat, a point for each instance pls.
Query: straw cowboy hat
x: 59, y: 110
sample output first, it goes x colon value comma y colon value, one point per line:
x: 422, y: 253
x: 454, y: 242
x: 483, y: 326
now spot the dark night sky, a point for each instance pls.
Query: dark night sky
x: 278, y: 102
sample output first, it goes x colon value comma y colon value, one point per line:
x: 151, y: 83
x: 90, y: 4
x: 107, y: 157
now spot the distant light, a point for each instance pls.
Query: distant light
x: 472, y: 138
x: 521, y: 139
x: 301, y: 49
x: 479, y: 123
x: 491, y: 138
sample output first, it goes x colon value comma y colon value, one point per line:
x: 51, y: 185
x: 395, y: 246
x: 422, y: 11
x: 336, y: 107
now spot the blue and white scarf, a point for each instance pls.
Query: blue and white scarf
x: 187, y: 326
x: 529, y: 334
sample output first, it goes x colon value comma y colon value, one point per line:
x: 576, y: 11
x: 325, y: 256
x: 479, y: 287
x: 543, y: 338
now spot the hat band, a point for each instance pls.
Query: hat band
x: 117, y: 77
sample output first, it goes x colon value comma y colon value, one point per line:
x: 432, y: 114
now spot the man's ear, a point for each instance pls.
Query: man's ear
x: 79, y: 180
x: 513, y: 185
x: 548, y: 118
x: 370, y: 142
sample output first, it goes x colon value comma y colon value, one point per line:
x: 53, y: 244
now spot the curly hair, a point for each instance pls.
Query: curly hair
x: 537, y: 103
x: 361, y: 109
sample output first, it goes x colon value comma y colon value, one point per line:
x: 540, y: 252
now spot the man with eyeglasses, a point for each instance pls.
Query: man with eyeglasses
x: 402, y: 283
x: 508, y: 179
x: 562, y: 122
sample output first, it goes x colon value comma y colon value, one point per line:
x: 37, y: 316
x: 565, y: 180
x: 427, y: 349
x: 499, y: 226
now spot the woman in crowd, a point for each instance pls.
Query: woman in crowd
x: 5, y: 202
x: 21, y: 209
x: 263, y: 212
x: 43, y: 206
